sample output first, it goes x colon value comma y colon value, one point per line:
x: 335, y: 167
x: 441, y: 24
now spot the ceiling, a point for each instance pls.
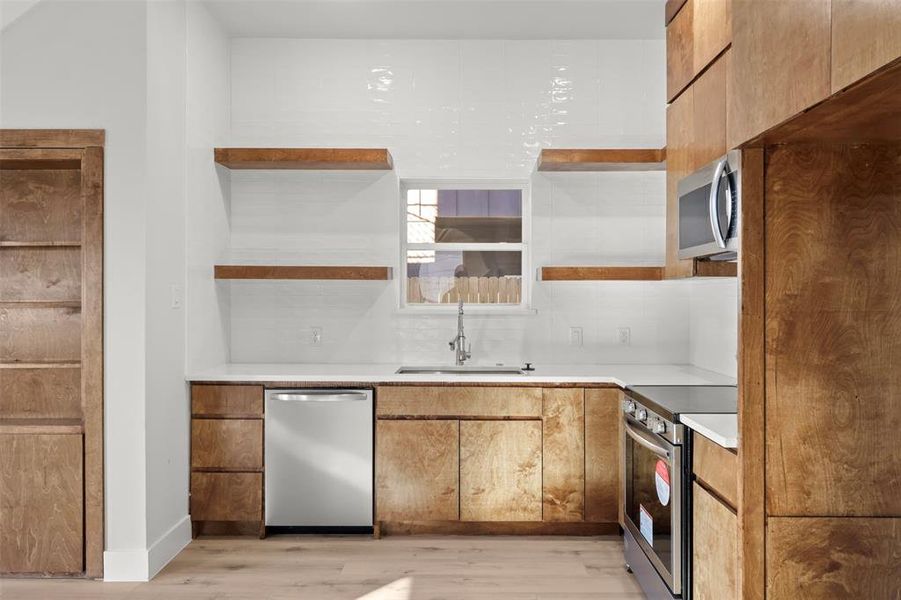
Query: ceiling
x: 442, y: 19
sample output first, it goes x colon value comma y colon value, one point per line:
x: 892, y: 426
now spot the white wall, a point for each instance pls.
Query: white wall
x: 207, y: 212
x: 167, y: 403
x: 118, y: 66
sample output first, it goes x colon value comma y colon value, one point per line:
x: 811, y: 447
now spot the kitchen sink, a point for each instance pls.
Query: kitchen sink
x: 464, y: 370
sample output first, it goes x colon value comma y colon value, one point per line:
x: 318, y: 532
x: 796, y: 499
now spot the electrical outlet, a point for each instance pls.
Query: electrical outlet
x: 316, y: 336
x: 176, y: 294
x: 575, y: 336
x: 624, y: 336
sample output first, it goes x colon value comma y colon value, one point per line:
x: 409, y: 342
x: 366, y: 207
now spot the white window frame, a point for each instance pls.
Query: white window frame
x: 524, y: 307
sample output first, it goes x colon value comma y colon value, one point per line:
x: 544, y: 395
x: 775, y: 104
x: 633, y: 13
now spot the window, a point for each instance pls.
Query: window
x: 465, y: 240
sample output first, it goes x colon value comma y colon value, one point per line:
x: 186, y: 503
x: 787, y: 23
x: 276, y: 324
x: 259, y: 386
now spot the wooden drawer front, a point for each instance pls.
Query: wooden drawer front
x: 417, y: 470
x: 500, y: 471
x: 697, y: 35
x: 227, y: 444
x: 40, y: 393
x: 459, y: 401
x: 226, y: 496
x: 227, y: 400
x: 714, y: 548
x: 41, y: 503
x: 717, y: 468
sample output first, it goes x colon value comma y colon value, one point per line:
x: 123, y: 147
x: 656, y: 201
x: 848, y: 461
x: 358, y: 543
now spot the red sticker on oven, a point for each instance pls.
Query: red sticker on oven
x: 661, y: 479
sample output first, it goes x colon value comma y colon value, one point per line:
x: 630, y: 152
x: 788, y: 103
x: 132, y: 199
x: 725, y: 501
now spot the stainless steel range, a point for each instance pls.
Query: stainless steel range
x: 657, y: 502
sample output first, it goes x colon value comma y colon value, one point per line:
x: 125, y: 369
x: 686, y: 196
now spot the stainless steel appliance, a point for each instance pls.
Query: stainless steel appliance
x: 652, y: 510
x: 319, y: 459
x: 709, y: 201
x: 657, y: 490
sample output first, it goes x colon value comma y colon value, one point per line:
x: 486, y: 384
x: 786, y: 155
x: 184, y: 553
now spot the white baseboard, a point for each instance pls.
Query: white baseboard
x: 143, y: 565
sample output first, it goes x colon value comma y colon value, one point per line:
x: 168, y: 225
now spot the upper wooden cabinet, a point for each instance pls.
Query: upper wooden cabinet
x: 780, y: 63
x: 865, y: 37
x: 789, y: 56
x: 700, y: 31
x: 695, y: 136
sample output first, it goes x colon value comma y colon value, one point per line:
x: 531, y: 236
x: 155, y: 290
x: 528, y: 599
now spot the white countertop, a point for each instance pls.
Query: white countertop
x: 621, y: 375
x: 720, y: 428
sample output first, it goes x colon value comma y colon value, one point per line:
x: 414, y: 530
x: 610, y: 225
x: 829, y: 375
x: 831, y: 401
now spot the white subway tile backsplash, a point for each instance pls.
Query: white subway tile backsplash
x: 457, y: 109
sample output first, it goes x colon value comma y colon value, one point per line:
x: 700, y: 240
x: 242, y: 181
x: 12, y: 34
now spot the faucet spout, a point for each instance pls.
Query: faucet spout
x: 459, y: 345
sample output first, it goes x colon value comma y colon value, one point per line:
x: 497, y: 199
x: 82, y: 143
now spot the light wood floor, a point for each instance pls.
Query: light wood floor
x: 393, y: 568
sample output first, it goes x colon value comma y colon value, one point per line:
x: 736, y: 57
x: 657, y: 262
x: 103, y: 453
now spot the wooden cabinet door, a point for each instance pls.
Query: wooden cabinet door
x: 563, y: 454
x: 41, y: 503
x: 714, y: 548
x: 603, y: 449
x: 500, y: 471
x: 417, y: 470
x: 695, y: 136
x: 865, y: 36
x: 697, y: 35
x: 780, y: 62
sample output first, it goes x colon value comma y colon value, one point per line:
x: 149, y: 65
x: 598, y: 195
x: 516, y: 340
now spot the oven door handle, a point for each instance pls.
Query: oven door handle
x: 646, y: 441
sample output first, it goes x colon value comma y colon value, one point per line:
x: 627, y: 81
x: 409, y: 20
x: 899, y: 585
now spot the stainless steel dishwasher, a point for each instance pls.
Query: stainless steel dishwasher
x: 319, y: 459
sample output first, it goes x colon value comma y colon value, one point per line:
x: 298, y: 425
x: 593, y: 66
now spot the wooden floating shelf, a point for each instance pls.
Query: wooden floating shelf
x: 306, y: 159
x: 8, y: 244
x: 51, y: 304
x: 45, y: 426
x: 601, y: 273
x: 302, y: 272
x: 41, y: 365
x: 602, y: 159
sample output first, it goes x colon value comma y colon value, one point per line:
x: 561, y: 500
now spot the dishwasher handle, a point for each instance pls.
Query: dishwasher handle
x: 323, y: 396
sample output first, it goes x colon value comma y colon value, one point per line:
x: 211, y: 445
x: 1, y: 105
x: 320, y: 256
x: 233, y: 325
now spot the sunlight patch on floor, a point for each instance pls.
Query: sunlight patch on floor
x: 401, y: 589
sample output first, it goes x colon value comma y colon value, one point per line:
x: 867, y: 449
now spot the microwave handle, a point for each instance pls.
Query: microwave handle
x: 714, y: 202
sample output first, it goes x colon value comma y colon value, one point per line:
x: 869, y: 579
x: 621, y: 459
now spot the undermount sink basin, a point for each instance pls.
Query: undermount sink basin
x: 464, y: 370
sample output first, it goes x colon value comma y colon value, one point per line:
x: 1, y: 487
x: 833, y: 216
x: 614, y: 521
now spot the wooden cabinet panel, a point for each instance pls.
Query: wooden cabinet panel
x: 833, y: 558
x: 458, y: 401
x: 695, y: 136
x: 226, y: 496
x: 417, y: 470
x: 40, y: 275
x: 563, y: 454
x: 40, y: 334
x: 679, y: 132
x: 500, y: 471
x: 865, y: 36
x: 41, y: 504
x: 40, y: 206
x: 602, y: 455
x: 696, y: 36
x: 714, y: 548
x: 227, y: 400
x: 708, y: 136
x: 780, y: 63
x: 51, y: 393
x: 717, y: 468
x: 833, y: 330
x: 235, y: 444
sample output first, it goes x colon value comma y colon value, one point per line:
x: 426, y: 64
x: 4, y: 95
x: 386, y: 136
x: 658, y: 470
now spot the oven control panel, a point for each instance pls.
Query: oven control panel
x: 637, y: 413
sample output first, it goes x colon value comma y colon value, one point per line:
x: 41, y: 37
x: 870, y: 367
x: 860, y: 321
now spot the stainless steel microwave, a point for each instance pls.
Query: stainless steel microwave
x: 709, y: 201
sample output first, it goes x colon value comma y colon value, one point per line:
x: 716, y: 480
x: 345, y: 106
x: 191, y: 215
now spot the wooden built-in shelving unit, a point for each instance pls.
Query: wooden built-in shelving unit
x: 602, y: 159
x: 302, y: 272
x: 310, y: 159
x: 588, y: 273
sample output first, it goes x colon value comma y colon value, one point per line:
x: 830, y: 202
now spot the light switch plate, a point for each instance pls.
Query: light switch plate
x: 177, y: 297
